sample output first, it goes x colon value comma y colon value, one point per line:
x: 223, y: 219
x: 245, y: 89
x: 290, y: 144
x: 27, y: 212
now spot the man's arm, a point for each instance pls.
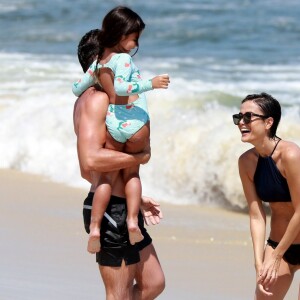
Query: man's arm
x: 91, y: 137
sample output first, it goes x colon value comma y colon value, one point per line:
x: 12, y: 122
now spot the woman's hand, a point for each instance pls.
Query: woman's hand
x: 260, y: 289
x: 151, y: 211
x: 268, y: 274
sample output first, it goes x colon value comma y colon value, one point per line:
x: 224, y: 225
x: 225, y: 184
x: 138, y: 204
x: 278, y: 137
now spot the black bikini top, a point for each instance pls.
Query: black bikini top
x: 270, y: 185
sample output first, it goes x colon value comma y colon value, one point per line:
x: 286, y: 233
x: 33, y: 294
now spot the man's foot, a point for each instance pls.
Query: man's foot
x: 94, y: 241
x: 134, y: 232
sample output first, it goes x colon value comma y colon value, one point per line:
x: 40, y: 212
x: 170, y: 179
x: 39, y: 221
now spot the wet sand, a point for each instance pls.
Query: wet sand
x: 206, y: 253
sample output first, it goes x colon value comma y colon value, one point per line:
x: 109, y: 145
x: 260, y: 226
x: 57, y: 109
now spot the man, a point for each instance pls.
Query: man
x: 119, y: 262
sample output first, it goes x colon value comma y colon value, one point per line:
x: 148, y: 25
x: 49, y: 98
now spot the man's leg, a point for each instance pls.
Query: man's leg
x: 118, y: 281
x: 150, y: 279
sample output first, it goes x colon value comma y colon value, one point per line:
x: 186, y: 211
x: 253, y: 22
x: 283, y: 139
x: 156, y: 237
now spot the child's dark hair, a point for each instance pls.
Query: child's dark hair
x: 88, y: 48
x: 270, y: 107
x: 118, y: 22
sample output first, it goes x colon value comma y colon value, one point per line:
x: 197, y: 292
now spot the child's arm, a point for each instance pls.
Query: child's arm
x: 86, y: 81
x: 127, y: 80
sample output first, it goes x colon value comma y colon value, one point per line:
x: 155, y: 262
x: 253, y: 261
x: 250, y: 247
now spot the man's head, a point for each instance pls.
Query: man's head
x: 88, y: 48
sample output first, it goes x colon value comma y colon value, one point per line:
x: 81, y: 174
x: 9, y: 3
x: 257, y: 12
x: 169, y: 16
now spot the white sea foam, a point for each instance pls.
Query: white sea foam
x: 195, y: 145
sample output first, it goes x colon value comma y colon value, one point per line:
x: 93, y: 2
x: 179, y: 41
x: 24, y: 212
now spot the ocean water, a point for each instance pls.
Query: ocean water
x: 215, y: 51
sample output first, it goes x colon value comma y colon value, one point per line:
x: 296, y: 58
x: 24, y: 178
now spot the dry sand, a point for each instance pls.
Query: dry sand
x: 206, y: 253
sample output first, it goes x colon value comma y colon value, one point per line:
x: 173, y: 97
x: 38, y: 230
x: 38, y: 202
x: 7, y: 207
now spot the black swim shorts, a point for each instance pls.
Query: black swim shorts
x: 114, y: 238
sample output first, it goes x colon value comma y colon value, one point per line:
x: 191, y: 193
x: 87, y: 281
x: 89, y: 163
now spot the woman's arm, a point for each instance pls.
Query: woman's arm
x: 291, y: 164
x: 247, y: 166
x: 257, y: 215
x: 291, y: 170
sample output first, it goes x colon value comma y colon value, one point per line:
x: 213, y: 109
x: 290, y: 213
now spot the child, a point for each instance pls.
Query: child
x: 127, y: 118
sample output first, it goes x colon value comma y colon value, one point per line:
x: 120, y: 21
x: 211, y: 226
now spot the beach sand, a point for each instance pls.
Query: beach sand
x: 206, y: 253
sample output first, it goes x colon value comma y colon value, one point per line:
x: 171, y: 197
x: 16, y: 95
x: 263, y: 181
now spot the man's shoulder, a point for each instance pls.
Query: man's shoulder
x: 93, y: 97
x: 92, y: 104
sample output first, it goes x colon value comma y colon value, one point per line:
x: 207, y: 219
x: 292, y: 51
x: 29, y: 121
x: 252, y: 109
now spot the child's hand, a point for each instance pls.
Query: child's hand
x: 161, y: 81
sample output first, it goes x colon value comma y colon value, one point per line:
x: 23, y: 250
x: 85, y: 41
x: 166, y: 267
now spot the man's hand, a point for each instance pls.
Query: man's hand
x: 145, y: 156
x: 151, y: 211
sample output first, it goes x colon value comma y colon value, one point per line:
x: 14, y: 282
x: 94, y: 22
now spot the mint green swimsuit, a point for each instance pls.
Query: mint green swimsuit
x: 122, y: 121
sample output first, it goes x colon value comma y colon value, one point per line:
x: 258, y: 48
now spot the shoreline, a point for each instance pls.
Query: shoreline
x: 206, y: 253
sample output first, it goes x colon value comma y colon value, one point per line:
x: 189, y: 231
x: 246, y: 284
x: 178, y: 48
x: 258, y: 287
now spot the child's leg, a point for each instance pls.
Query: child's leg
x: 100, y: 201
x: 133, y: 186
x: 104, y: 183
x: 133, y: 192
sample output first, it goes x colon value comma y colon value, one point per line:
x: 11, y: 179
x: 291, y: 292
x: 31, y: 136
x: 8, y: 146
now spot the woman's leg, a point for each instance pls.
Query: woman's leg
x: 150, y: 279
x: 283, y: 282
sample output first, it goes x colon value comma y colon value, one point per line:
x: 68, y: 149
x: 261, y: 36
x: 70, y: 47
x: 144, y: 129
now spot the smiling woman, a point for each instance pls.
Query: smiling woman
x: 270, y: 172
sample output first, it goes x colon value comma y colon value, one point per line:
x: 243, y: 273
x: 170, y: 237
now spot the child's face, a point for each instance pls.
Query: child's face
x: 129, y: 42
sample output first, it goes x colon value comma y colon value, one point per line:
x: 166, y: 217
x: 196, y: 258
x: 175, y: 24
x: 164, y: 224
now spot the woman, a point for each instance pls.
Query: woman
x: 270, y: 172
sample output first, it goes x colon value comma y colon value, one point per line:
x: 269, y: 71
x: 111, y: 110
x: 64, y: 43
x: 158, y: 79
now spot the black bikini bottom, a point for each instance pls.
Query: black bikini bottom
x: 292, y: 254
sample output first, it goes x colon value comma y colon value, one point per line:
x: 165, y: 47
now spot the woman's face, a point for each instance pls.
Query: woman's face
x: 253, y: 126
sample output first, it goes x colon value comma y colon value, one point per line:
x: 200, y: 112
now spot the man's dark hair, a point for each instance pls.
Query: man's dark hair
x: 88, y: 48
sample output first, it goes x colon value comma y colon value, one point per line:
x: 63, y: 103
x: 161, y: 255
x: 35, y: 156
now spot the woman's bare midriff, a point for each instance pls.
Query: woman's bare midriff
x: 281, y: 214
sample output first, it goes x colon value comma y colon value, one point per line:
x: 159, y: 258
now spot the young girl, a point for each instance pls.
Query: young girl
x: 127, y: 118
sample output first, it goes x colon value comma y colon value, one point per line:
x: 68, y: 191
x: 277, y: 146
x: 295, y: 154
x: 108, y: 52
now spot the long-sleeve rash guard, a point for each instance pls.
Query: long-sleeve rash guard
x: 127, y: 78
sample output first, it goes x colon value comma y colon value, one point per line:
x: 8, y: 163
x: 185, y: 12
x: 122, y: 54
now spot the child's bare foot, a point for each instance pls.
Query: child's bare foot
x: 94, y: 241
x: 134, y: 232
